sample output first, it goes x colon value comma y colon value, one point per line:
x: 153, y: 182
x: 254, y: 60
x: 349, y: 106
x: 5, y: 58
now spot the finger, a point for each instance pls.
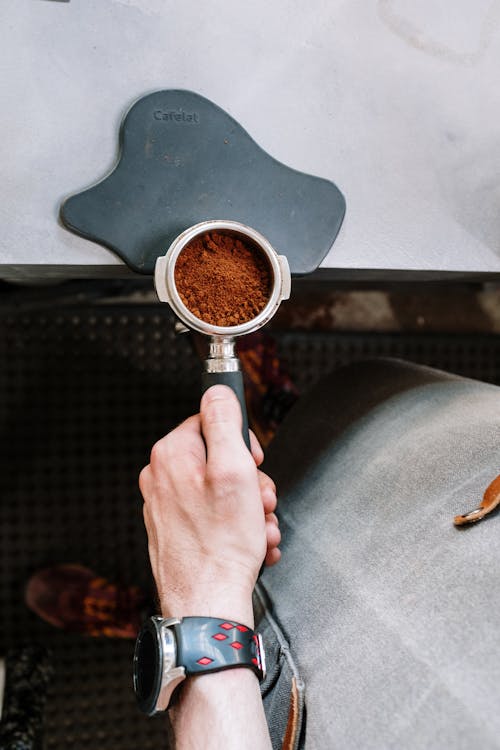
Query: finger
x: 188, y: 440
x: 221, y: 422
x: 273, y: 534
x: 272, y: 556
x: 267, y: 492
x: 272, y: 518
x: 183, y: 444
x: 256, y: 450
x: 269, y: 502
x: 265, y: 481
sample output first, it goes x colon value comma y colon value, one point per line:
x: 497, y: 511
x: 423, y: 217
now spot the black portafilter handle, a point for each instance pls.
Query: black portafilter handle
x: 234, y: 380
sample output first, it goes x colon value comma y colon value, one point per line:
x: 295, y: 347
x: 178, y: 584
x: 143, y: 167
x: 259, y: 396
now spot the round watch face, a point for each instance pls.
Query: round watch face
x: 145, y: 664
x: 147, y: 668
x: 156, y: 675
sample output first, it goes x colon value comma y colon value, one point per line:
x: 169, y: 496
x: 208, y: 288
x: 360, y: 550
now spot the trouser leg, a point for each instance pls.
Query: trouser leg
x: 392, y: 613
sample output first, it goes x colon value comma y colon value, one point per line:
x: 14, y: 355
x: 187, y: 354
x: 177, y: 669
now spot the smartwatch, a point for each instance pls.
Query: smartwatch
x: 168, y: 650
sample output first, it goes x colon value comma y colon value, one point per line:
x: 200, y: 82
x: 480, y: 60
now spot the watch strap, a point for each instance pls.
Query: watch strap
x: 210, y: 644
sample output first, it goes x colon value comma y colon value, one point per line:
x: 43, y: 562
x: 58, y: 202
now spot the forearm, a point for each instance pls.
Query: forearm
x: 219, y: 710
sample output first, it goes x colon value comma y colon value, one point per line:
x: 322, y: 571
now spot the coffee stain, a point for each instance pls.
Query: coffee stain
x: 419, y: 39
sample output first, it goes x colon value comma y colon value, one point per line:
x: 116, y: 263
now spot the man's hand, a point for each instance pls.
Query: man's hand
x: 209, y: 514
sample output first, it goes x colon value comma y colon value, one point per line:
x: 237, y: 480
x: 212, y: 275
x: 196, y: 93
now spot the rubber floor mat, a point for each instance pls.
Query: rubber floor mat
x: 85, y: 394
x: 311, y: 355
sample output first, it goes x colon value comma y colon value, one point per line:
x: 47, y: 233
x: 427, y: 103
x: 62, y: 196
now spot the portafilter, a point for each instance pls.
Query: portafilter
x: 222, y: 364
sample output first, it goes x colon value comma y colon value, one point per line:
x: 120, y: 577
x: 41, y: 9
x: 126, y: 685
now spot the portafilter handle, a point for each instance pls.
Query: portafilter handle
x: 222, y: 367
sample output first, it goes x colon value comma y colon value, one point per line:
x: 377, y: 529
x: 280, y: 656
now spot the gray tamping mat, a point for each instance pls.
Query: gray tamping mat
x: 85, y: 393
x: 184, y: 160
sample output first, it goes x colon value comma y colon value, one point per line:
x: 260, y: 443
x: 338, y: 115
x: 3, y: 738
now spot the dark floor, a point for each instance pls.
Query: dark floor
x: 86, y: 392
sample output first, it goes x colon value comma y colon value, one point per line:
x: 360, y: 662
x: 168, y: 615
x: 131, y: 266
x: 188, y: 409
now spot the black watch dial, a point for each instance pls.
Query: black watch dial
x: 147, y: 660
x: 156, y: 675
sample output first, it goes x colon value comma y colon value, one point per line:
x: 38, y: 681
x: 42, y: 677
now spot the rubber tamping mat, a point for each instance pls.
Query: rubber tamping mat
x: 85, y: 393
x: 184, y: 160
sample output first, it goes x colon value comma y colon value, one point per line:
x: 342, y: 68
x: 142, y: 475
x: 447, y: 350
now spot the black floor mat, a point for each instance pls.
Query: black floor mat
x: 310, y: 355
x: 85, y: 394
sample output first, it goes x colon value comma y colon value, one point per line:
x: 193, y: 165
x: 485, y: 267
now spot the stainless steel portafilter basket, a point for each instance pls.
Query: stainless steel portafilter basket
x: 222, y: 364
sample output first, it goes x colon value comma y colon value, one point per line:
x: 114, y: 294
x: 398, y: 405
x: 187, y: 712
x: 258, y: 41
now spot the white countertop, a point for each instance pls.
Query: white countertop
x: 398, y: 105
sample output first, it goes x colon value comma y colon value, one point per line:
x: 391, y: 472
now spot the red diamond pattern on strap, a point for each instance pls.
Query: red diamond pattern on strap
x: 241, y: 628
x: 236, y: 645
x: 219, y: 637
x: 226, y: 626
x: 204, y: 661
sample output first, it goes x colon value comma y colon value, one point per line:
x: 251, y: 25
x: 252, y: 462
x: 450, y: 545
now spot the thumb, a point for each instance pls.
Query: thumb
x: 221, y: 425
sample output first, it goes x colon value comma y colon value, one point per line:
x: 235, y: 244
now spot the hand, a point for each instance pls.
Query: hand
x: 209, y: 513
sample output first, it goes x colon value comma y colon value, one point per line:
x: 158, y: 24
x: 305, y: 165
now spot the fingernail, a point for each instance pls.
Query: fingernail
x: 216, y: 393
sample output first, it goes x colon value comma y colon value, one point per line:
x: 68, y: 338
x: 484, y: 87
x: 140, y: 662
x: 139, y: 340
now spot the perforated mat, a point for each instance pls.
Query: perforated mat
x: 85, y: 393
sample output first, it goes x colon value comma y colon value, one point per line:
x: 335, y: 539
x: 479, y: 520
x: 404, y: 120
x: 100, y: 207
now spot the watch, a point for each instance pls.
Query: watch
x: 168, y: 650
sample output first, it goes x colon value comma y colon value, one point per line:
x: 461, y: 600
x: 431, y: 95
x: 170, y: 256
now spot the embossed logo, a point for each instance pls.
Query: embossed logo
x: 177, y: 115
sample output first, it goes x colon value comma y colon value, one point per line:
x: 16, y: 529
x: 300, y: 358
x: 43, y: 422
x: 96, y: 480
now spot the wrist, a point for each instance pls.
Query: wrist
x: 205, y: 688
x: 223, y: 705
x: 223, y: 603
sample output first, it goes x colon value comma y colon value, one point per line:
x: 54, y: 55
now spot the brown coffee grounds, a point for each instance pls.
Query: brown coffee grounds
x: 222, y: 280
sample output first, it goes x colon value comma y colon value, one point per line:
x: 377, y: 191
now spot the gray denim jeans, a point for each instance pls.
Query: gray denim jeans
x: 382, y: 618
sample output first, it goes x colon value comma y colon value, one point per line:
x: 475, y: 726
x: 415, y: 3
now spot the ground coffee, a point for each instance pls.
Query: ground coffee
x: 222, y: 279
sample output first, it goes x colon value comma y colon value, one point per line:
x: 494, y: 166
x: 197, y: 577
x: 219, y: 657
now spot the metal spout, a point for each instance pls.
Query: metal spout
x: 221, y: 355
